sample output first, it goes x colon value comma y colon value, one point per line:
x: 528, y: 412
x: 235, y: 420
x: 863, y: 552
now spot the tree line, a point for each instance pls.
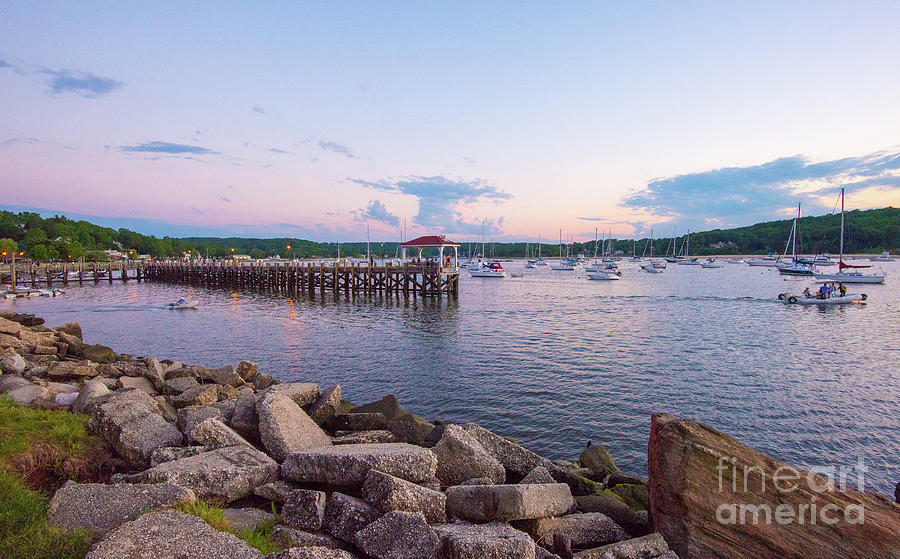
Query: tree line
x: 60, y: 238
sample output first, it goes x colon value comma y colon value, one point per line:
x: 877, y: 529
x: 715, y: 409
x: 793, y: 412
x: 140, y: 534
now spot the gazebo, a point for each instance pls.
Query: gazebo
x: 432, y: 241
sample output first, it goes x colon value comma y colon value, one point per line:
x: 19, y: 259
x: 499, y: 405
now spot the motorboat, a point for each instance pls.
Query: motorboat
x: 710, y: 263
x: 488, y: 270
x: 823, y: 260
x: 651, y: 269
x: 688, y: 262
x: 182, y: 304
x: 839, y: 300
x: 765, y: 261
x: 883, y: 257
x: 602, y: 275
x: 734, y: 260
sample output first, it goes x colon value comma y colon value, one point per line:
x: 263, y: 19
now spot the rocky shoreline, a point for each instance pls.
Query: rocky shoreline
x: 344, y: 481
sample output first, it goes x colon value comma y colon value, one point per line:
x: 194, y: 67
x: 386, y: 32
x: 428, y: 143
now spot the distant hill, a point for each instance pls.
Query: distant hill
x: 58, y: 237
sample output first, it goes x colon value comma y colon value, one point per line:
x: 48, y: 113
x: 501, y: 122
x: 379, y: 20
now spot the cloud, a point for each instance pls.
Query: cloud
x: 197, y: 210
x: 743, y: 195
x: 12, y: 141
x: 168, y: 147
x: 81, y: 83
x: 337, y: 148
x: 5, y: 64
x: 281, y: 151
x: 376, y: 211
x: 440, y: 198
x: 224, y: 199
x: 259, y: 109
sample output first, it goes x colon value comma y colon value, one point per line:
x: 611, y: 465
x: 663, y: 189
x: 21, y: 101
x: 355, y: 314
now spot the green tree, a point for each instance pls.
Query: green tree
x: 8, y: 246
x: 39, y: 252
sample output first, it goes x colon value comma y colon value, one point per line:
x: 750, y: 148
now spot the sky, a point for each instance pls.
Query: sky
x: 319, y: 120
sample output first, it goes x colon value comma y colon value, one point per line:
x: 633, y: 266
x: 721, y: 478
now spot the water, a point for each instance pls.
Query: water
x: 555, y: 360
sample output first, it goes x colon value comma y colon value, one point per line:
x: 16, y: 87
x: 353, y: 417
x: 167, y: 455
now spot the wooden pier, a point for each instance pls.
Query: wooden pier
x: 426, y: 280
x: 65, y: 274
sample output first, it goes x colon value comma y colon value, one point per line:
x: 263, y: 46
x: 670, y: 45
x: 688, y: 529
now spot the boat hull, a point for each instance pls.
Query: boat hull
x: 602, y: 276
x: 846, y: 299
x: 850, y: 278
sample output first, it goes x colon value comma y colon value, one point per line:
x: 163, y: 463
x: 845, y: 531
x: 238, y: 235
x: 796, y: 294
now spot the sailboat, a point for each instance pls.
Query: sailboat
x: 565, y: 264
x: 595, y: 264
x: 655, y: 266
x: 686, y: 259
x: 634, y: 256
x: 848, y: 276
x: 883, y: 257
x: 528, y: 263
x: 486, y: 269
x: 795, y: 267
x: 539, y: 261
x: 674, y: 258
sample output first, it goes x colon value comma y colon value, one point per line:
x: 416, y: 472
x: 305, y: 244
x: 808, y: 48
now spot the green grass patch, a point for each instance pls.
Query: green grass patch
x: 20, y: 426
x: 260, y: 538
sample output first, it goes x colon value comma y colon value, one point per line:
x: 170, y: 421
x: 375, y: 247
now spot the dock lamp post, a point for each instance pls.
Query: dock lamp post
x: 290, y: 255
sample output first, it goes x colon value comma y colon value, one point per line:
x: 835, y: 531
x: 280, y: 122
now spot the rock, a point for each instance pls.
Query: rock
x: 226, y: 392
x: 45, y: 350
x: 698, y: 517
x: 496, y: 540
x: 188, y: 418
x: 304, y: 509
x: 316, y: 552
x: 72, y: 369
x: 291, y: 537
x: 262, y: 381
x: 460, y: 457
x: 478, y: 481
x: 538, y: 475
x: 129, y: 420
x: 89, y: 391
x: 212, y: 433
x: 365, y: 437
x: 611, y: 505
x: 399, y: 535
x: 199, y: 396
x: 224, y: 474
x: 359, y: 422
x: 410, y: 428
x: 541, y: 553
x: 100, y: 508
x: 9, y: 327
x: 71, y: 328
x: 348, y: 464
x: 155, y: 373
x: 597, y: 460
x: 98, y: 353
x: 302, y: 393
x: 388, y: 406
x: 277, y: 491
x: 513, y: 457
x: 65, y: 399
x: 388, y: 493
x: 12, y: 363
x: 346, y: 515
x: 284, y: 428
x: 244, y: 420
x: 247, y: 518
x: 140, y: 383
x: 11, y: 382
x: 619, y: 477
x: 652, y: 545
x: 176, y: 386
x: 586, y: 529
x: 486, y: 503
x: 327, y: 406
x: 247, y: 370
x: 170, y: 534
x: 26, y: 395
x: 224, y: 375
x: 579, y: 484
x: 635, y: 496
x: 169, y: 453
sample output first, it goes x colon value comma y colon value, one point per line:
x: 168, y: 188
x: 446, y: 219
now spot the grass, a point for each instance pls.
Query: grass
x: 260, y: 538
x: 37, y: 447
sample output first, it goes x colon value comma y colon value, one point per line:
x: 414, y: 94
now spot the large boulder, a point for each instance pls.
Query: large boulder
x: 388, y: 493
x: 514, y: 457
x: 201, y: 395
x: 98, y: 353
x: 302, y: 393
x: 304, y: 509
x: 496, y: 540
x: 460, y: 457
x: 130, y: 421
x: 598, y: 460
x: 139, y: 383
x: 346, y: 515
x: 486, y: 503
x: 348, y: 464
x: 313, y: 552
x: 26, y: 395
x: 712, y: 497
x: 649, y: 546
x: 285, y: 428
x: 72, y: 369
x: 100, y: 508
x: 327, y: 406
x: 71, y: 328
x: 89, y: 391
x: 224, y: 474
x: 12, y: 363
x: 11, y: 382
x: 634, y: 522
x: 586, y: 529
x: 399, y: 535
x: 188, y: 418
x: 244, y: 419
x: 212, y: 433
x: 170, y: 534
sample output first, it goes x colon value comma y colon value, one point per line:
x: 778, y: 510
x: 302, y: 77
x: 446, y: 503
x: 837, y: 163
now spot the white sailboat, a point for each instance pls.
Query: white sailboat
x: 848, y: 276
x: 710, y: 263
x: 687, y: 260
x: 600, y: 270
x: 486, y: 269
x: 565, y: 264
x: 883, y: 257
x: 794, y: 267
x: 528, y: 263
x: 539, y: 261
x: 655, y: 266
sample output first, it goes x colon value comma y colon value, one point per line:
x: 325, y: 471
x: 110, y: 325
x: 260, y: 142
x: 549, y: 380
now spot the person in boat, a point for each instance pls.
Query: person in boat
x: 180, y: 302
x: 843, y: 289
x: 823, y: 292
x: 807, y: 294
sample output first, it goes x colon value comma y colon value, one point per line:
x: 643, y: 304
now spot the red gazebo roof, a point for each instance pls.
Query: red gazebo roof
x: 429, y: 241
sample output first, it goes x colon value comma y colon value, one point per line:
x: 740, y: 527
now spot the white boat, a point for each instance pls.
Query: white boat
x: 823, y: 260
x: 883, y: 257
x: 602, y: 275
x: 765, y: 261
x: 734, y: 261
x: 181, y: 304
x: 710, y: 263
x: 566, y: 264
x: 803, y: 300
x: 686, y: 259
x: 488, y: 270
x: 539, y: 262
x: 842, y: 275
x: 795, y: 267
x: 651, y: 269
x: 688, y: 262
x: 528, y: 263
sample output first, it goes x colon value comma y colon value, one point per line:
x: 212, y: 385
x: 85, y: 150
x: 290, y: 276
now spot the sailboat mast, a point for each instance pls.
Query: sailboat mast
x: 841, y: 261
x: 796, y: 230
x: 651, y: 242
